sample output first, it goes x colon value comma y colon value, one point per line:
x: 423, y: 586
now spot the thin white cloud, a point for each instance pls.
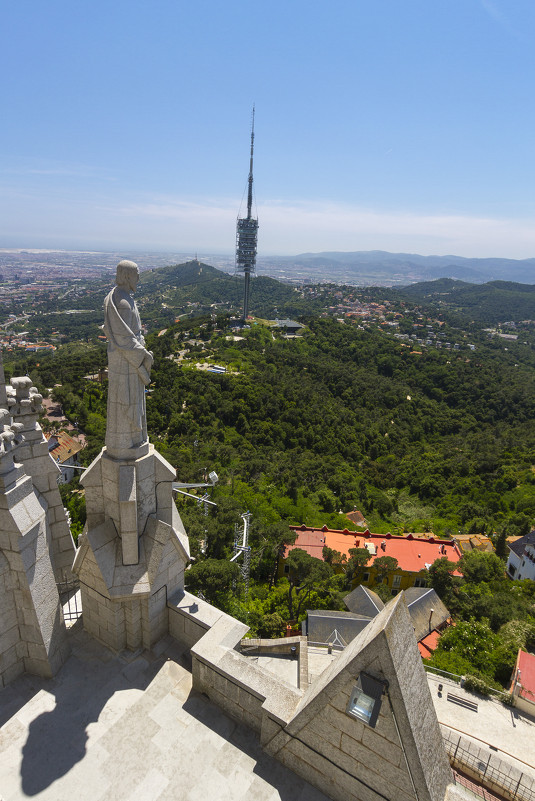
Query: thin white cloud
x: 163, y: 222
x: 335, y: 227
x: 55, y: 170
x: 493, y: 10
x: 314, y: 226
x: 174, y: 209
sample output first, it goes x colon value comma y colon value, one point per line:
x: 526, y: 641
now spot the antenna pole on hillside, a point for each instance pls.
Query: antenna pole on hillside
x: 245, y: 549
x: 247, y: 235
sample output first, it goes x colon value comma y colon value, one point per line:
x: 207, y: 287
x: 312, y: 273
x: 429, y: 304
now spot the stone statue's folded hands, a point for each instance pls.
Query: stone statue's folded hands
x: 144, y: 368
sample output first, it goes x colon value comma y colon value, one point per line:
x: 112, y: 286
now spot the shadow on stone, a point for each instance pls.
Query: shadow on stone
x: 18, y: 693
x: 288, y: 785
x: 57, y: 739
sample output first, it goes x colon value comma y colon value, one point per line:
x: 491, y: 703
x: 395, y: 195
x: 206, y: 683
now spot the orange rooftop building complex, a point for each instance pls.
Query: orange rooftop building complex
x: 414, y: 555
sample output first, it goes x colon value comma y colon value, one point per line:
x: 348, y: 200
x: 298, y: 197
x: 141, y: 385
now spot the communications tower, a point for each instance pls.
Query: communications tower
x: 243, y: 548
x: 246, y: 236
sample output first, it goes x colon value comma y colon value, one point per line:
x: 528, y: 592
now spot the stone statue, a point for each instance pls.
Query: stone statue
x: 129, y: 364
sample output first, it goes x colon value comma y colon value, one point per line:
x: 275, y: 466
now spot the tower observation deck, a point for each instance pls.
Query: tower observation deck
x: 247, y: 236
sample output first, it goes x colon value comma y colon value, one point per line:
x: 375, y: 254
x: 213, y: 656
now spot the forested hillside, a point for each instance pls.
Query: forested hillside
x: 194, y: 288
x: 488, y: 304
x: 344, y: 417
x: 181, y: 286
x: 341, y: 417
x: 419, y: 434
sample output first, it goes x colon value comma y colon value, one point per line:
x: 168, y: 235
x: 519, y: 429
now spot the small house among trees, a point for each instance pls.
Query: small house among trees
x: 523, y: 682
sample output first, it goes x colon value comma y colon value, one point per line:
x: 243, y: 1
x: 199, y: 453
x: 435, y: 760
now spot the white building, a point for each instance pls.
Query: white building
x: 521, y: 561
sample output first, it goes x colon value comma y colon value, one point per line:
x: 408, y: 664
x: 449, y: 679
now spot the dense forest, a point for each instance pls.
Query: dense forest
x: 304, y: 429
x: 338, y: 418
x: 490, y: 304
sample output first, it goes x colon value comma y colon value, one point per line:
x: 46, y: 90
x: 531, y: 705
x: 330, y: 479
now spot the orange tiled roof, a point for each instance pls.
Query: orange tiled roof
x: 412, y: 554
x: 428, y: 644
x: 357, y: 518
x: 66, y: 446
x: 311, y: 541
x: 470, y: 542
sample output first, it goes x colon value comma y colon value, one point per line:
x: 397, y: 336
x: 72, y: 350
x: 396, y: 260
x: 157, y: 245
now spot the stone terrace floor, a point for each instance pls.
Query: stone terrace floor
x: 119, y: 728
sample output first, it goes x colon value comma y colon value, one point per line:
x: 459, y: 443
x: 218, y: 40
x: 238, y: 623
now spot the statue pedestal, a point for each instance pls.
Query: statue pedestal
x: 133, y: 550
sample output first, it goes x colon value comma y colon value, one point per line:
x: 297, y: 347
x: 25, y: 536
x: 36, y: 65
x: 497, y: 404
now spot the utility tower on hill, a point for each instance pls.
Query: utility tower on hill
x: 246, y: 237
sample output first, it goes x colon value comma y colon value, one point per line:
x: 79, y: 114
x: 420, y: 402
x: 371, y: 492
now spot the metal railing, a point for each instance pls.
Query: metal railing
x: 335, y: 640
x: 489, y: 770
x: 430, y: 669
x: 71, y: 603
x: 491, y: 692
x: 476, y: 789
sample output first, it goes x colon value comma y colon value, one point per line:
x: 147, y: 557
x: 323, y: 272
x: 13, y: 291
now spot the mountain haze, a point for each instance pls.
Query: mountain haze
x: 382, y: 268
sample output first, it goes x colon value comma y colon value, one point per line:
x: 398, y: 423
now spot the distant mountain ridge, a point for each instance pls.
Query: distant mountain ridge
x: 195, y: 282
x: 395, y: 269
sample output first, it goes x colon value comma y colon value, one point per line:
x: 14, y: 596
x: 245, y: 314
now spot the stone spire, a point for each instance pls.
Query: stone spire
x: 25, y: 404
x: 32, y: 631
x: 367, y: 725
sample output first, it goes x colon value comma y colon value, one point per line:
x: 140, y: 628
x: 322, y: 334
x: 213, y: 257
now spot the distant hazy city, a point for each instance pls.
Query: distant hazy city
x: 360, y: 268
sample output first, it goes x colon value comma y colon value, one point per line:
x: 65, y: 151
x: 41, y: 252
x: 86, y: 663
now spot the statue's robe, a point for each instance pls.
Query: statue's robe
x: 126, y: 427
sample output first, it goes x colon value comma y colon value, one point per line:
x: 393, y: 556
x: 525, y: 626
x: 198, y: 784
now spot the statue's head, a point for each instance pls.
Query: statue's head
x: 127, y: 274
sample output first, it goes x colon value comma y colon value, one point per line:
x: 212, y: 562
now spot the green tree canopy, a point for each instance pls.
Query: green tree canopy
x: 384, y: 565
x: 358, y: 559
x: 473, y: 641
x: 334, y: 557
x: 212, y: 578
x: 441, y: 575
x: 306, y: 574
x: 479, y: 566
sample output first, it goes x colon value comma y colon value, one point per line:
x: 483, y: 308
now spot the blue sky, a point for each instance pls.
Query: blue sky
x: 401, y: 125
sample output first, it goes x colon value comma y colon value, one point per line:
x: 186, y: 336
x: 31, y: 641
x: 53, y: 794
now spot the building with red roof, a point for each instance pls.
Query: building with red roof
x: 414, y: 555
x: 357, y: 518
x: 523, y: 683
x: 428, y: 644
x: 64, y: 450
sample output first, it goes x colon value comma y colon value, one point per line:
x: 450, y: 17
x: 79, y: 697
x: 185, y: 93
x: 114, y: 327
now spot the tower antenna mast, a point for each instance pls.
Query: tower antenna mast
x: 250, y: 180
x: 247, y: 235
